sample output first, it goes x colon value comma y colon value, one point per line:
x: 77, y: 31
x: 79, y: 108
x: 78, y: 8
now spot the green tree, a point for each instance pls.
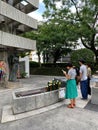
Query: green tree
x: 55, y: 40
x: 83, y: 20
x: 50, y: 40
x: 35, y: 36
x: 85, y: 54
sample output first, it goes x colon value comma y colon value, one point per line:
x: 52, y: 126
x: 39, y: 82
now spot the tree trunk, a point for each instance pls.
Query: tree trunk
x: 39, y: 60
x: 44, y: 57
x: 96, y: 56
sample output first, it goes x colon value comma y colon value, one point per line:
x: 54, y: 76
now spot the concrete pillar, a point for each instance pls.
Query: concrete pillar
x: 26, y: 60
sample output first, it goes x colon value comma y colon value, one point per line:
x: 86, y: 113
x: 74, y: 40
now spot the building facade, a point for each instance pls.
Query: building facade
x: 14, y: 21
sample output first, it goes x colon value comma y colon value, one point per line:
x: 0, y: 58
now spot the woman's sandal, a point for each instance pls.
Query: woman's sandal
x: 73, y: 105
x: 70, y: 106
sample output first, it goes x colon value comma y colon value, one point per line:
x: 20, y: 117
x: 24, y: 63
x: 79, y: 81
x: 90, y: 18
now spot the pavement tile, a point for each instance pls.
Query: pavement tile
x: 84, y: 117
x: 8, y: 116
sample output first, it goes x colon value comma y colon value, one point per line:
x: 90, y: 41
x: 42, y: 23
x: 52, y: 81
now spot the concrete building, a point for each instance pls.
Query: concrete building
x: 34, y: 57
x: 13, y: 22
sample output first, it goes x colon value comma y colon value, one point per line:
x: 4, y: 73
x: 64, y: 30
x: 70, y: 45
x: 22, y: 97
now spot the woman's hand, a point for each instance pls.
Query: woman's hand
x: 64, y: 72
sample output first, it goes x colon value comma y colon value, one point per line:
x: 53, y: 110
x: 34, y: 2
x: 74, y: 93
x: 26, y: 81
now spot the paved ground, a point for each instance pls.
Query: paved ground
x: 57, y: 119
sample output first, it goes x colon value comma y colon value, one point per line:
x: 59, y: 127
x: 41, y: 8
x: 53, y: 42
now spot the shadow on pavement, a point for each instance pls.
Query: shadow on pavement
x: 91, y: 107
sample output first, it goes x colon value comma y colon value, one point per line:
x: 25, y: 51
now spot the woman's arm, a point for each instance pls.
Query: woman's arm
x: 66, y: 75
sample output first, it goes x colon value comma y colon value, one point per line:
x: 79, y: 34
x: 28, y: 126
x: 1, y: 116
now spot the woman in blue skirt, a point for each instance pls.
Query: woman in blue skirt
x: 71, y: 87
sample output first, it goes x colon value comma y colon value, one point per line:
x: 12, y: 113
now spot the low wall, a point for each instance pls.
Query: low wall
x: 94, y: 90
x: 31, y: 102
x: 94, y: 95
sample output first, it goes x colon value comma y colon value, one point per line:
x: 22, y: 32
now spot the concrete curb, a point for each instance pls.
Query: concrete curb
x: 7, y: 113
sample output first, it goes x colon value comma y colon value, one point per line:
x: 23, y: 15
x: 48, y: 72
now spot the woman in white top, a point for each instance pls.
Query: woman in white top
x: 71, y: 87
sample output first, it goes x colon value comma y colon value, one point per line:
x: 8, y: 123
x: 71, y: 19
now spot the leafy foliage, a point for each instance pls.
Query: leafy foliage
x: 34, y: 64
x: 85, y: 54
x: 82, y: 23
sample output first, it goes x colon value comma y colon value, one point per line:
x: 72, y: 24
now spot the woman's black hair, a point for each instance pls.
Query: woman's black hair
x: 69, y: 65
x: 82, y: 61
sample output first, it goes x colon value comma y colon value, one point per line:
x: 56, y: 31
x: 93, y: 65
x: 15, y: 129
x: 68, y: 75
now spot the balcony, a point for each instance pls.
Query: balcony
x: 10, y: 40
x: 16, y: 15
x: 34, y: 3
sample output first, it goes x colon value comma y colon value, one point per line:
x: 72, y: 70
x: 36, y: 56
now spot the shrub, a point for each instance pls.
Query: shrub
x: 56, y: 71
x: 53, y: 65
x: 23, y: 74
x: 85, y: 54
x: 34, y: 64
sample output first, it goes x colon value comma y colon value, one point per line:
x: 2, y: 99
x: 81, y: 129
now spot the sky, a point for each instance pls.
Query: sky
x: 38, y: 13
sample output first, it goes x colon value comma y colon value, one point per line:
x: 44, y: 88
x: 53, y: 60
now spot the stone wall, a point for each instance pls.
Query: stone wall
x: 94, y: 90
x: 28, y: 103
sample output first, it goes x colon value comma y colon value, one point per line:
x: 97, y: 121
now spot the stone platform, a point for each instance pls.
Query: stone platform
x: 34, y: 101
x: 8, y: 116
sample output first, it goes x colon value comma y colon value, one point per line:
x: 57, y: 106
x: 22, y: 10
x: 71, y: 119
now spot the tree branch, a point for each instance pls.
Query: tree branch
x: 77, y: 12
x: 92, y: 42
x: 95, y: 19
x: 76, y: 9
x: 84, y: 44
